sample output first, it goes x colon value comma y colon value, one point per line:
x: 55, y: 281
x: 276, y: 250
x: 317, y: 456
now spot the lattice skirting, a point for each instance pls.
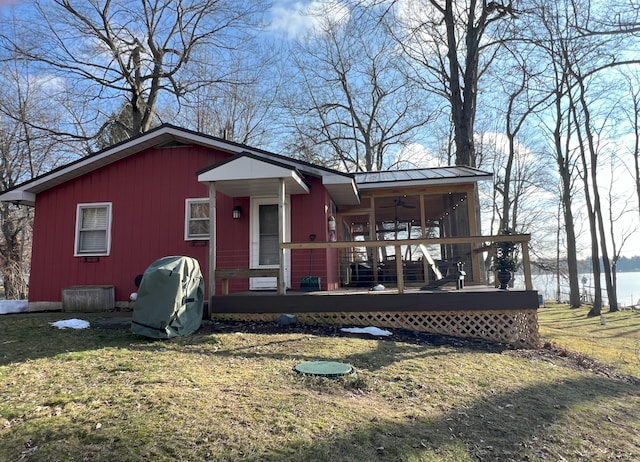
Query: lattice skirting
x: 516, y: 327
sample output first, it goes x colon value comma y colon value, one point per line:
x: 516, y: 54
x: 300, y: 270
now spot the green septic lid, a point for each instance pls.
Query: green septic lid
x: 324, y: 368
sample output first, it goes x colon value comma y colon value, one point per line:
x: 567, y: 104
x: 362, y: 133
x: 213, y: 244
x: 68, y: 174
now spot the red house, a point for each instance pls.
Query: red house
x: 103, y: 219
x: 259, y: 221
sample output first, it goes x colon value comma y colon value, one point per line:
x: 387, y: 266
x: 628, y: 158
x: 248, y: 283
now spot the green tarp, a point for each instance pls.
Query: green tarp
x: 170, y: 299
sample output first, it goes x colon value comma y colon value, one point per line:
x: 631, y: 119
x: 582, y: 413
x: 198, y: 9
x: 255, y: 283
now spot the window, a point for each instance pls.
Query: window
x: 196, y: 219
x: 269, y: 248
x: 93, y: 229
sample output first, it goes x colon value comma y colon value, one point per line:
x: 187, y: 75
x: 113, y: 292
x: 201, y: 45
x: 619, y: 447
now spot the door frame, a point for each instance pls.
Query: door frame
x: 267, y: 283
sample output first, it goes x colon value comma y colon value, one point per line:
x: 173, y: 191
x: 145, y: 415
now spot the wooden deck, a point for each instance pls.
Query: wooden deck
x: 475, y: 311
x: 360, y: 300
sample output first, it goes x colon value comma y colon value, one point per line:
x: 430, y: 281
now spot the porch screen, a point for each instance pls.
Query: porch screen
x: 269, y: 243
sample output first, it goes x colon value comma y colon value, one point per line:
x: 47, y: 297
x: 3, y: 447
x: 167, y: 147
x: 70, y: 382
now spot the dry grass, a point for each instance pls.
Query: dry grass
x: 231, y: 394
x: 616, y: 342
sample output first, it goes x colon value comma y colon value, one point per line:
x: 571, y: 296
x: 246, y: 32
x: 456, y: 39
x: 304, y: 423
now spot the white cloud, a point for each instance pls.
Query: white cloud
x: 299, y: 19
x: 498, y: 143
x: 415, y: 155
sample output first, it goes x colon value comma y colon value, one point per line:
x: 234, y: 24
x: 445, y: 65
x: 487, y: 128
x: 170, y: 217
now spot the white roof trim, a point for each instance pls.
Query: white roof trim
x: 247, y: 175
x: 342, y: 189
x: 246, y: 168
x: 19, y: 197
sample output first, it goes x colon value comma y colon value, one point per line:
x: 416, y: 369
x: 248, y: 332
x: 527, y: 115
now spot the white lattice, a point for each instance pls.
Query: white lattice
x: 513, y: 327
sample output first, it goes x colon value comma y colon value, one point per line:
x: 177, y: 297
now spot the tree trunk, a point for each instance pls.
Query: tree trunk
x: 596, y: 309
x: 597, y: 208
x: 11, y: 254
x: 565, y: 171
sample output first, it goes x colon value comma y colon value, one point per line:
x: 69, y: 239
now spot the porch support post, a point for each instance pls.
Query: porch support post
x: 476, y: 258
x: 423, y: 234
x: 399, y: 269
x: 212, y: 246
x: 282, y: 283
x: 373, y: 235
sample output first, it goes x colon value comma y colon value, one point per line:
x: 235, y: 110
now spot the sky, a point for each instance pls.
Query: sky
x: 290, y: 19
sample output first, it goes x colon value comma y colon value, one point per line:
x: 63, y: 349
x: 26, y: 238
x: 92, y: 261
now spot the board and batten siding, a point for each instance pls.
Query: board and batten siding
x: 309, y: 214
x: 147, y: 191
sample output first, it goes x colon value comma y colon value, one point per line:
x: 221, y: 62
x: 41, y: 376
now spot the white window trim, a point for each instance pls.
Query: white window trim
x: 80, y: 207
x: 187, y: 218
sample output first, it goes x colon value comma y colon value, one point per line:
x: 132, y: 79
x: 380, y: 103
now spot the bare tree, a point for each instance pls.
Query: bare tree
x: 633, y: 116
x: 547, y: 32
x: 244, y: 107
x: 353, y: 104
x: 449, y: 45
x: 620, y: 229
x: 576, y: 60
x: 25, y: 152
x: 120, y: 51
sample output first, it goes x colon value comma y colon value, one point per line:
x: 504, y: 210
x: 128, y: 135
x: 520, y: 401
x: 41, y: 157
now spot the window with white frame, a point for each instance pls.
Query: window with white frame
x: 93, y: 229
x: 196, y: 219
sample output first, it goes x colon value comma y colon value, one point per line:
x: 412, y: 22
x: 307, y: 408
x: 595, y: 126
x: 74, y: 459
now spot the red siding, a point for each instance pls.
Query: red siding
x: 309, y: 215
x: 148, y: 192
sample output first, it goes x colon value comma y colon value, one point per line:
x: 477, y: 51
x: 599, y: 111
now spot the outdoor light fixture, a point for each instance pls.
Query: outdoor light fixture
x: 236, y: 212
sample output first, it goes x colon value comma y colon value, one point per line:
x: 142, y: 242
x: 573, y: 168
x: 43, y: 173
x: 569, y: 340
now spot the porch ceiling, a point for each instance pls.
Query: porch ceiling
x: 259, y: 187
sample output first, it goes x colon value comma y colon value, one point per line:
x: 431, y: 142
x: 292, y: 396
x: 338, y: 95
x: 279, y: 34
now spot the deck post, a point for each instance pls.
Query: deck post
x: 526, y: 266
x: 282, y: 282
x: 212, y: 245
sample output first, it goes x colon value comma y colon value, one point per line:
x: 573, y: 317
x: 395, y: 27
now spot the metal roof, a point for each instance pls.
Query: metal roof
x: 420, y: 177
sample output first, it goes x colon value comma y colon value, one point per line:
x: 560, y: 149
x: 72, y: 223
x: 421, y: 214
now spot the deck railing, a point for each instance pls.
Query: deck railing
x: 478, y: 244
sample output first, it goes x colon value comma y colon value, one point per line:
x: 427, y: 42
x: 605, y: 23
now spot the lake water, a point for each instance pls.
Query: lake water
x: 628, y: 286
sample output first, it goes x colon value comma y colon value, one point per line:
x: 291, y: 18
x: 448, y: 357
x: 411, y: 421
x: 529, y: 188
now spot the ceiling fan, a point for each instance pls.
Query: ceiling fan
x: 399, y: 203
x: 399, y: 224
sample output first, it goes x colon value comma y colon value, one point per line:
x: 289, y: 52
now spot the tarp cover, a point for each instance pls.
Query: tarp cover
x: 170, y: 299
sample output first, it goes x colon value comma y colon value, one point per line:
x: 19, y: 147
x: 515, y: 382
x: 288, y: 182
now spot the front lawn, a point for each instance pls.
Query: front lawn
x: 230, y: 393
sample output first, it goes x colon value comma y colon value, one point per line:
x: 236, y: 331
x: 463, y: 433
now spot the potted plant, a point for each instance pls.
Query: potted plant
x: 504, y: 261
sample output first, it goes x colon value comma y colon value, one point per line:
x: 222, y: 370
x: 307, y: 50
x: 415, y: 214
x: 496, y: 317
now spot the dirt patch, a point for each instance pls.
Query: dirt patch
x: 397, y: 335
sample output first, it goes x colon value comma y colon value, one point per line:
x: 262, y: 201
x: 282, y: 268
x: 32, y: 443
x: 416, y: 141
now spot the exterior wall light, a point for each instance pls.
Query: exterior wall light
x: 236, y: 212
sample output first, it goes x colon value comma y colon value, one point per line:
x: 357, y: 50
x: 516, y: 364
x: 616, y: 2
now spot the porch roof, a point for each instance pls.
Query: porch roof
x: 420, y: 177
x: 249, y: 175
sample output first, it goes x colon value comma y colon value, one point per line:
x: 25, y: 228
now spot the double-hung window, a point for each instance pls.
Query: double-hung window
x: 196, y: 219
x: 93, y: 229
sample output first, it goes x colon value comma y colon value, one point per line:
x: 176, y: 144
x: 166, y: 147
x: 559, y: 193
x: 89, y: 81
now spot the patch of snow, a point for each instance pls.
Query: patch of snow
x: 378, y: 287
x: 366, y: 330
x: 13, y: 306
x: 71, y: 324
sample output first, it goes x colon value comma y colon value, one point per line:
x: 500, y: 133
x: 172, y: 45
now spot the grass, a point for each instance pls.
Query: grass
x: 616, y: 342
x: 225, y: 395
